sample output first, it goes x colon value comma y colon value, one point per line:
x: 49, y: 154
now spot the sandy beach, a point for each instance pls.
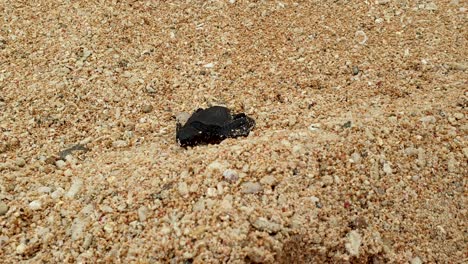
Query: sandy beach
x: 359, y: 153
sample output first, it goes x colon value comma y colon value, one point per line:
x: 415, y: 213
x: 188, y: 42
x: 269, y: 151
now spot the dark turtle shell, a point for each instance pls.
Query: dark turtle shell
x: 213, y: 125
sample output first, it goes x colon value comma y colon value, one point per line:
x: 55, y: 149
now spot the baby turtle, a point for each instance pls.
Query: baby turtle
x: 213, y: 125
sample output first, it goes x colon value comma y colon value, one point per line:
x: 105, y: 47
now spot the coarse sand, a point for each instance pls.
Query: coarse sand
x: 359, y: 154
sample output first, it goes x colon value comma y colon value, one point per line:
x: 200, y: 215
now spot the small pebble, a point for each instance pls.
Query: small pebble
x: 225, y: 205
x: 361, y: 37
x: 216, y: 165
x: 327, y: 180
x: 35, y: 205
x: 452, y: 164
x: 143, y: 213
x: 3, y: 240
x: 182, y: 118
x: 314, y: 127
x: 459, y: 116
x: 209, y: 65
x: 76, y: 228
x: 354, y: 243
x: 416, y: 260
x: 183, y: 188
x: 355, y: 157
x: 359, y: 222
x: 251, y: 187
x: 292, y: 121
x: 268, y: 180
x: 44, y: 189
x: 263, y: 224
x: 147, y: 108
x: 57, y: 193
x: 60, y: 164
x: 119, y: 144
x: 20, y: 249
x: 465, y: 152
x: 316, y: 201
x: 150, y: 89
x: 193, y: 188
x: 431, y: 7
x: 383, y: 2
x: 355, y: 70
x: 3, y: 208
x: 199, y: 206
x: 428, y: 119
x: 230, y: 175
x: 87, y: 241
x: 387, y: 168
x: 74, y: 188
x: 20, y: 162
x: 211, y: 192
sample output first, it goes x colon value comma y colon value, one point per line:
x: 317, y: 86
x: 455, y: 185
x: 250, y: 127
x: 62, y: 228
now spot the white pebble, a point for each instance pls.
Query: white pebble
x: 263, y: 224
x: 143, y: 213
x: 465, y: 152
x: 60, y: 164
x: 354, y: 242
x: 20, y: 249
x: 314, y: 199
x: 87, y: 241
x: 57, y: 193
x: 327, y: 180
x: 68, y: 172
x: 251, y: 187
x: 183, y: 188
x: 182, y: 118
x: 297, y: 149
x: 382, y: 2
x: 74, y: 188
x: 268, y: 180
x: 211, y: 192
x: 387, y: 168
x: 416, y: 260
x: 314, y: 127
x: 355, y: 157
x: 193, y: 188
x: 452, y: 164
x: 199, y: 205
x: 459, y: 116
x: 3, y: 208
x: 44, y: 189
x: 209, y: 65
x: 216, y: 165
x: 428, y: 119
x: 431, y: 7
x: 225, y: 205
x: 77, y: 228
x: 20, y: 162
x: 119, y: 144
x: 35, y: 205
x: 230, y: 175
x: 361, y: 37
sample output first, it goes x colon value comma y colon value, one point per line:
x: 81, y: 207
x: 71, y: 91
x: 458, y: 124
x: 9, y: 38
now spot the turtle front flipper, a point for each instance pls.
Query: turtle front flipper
x: 240, y: 126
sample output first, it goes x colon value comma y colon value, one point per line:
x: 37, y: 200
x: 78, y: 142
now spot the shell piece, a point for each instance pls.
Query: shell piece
x: 213, y: 125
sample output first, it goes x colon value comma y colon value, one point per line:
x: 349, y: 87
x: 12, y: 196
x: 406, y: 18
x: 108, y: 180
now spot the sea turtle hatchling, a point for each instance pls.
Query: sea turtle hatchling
x: 212, y: 125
